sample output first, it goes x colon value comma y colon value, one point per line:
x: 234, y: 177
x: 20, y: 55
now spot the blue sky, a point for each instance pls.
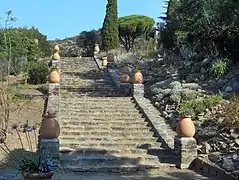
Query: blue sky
x: 66, y: 18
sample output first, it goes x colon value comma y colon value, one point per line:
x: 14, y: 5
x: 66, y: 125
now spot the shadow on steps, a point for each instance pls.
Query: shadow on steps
x: 92, y: 164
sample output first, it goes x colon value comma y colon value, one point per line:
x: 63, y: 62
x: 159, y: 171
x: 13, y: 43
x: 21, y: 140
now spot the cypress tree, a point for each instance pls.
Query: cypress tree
x: 109, y: 31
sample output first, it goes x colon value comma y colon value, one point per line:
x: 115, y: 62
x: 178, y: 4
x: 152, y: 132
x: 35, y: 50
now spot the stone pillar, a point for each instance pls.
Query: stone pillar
x: 51, y: 146
x: 186, y: 151
x: 138, y: 90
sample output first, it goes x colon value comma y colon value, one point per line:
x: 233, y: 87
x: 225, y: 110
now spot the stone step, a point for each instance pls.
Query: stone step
x: 122, y: 168
x: 102, y: 109
x: 77, y: 87
x: 110, y: 151
x: 100, y: 106
x: 109, y: 160
x: 108, y: 110
x: 129, y: 120
x: 123, y: 122
x: 106, y: 144
x: 108, y: 138
x: 97, y: 102
x: 106, y: 99
x: 162, y: 154
x: 85, y: 104
x: 105, y: 128
x: 99, y: 132
x: 97, y: 114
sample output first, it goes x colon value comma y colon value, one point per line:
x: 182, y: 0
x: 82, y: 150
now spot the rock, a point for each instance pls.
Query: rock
x: 165, y: 114
x: 237, y: 141
x: 228, y: 89
x: 207, y: 132
x: 235, y: 157
x: 206, y: 148
x: 175, y: 84
x: 227, y: 163
x: 192, y: 86
x: 235, y: 173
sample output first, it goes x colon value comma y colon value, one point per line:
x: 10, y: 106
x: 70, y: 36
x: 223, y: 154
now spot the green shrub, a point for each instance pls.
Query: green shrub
x: 186, y: 108
x: 197, y: 106
x: 213, y: 100
x: 219, y: 67
x: 37, y: 72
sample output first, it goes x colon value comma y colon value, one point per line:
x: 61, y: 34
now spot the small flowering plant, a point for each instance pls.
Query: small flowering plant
x: 32, y: 163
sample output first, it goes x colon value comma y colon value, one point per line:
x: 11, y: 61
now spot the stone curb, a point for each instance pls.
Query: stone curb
x: 201, y: 166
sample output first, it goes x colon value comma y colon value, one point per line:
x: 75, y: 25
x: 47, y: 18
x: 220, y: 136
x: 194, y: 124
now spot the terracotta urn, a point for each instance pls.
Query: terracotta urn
x: 186, y: 127
x: 37, y: 176
x: 138, y: 77
x: 54, y: 76
x: 50, y: 127
x: 124, y: 78
x: 104, y: 62
x: 56, y: 56
x: 110, y: 57
x: 96, y: 49
x: 56, y: 48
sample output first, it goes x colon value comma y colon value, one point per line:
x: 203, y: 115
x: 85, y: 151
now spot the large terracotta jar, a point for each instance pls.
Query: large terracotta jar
x: 124, y: 78
x: 138, y: 77
x: 50, y: 127
x: 56, y: 56
x: 185, y: 127
x: 110, y: 57
x: 54, y: 76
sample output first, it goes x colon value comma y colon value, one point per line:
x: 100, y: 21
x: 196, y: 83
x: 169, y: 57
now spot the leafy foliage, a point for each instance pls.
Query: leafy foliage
x: 208, y: 25
x: 88, y: 39
x: 219, y: 67
x: 133, y: 26
x: 19, y: 46
x: 37, y: 72
x: 194, y: 107
x: 109, y: 31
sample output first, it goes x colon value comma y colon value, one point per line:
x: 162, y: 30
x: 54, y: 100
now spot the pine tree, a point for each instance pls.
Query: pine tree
x: 109, y: 30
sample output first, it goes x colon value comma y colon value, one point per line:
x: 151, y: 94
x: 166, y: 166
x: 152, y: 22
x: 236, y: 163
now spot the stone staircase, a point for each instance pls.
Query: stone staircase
x: 100, y: 129
x: 103, y: 133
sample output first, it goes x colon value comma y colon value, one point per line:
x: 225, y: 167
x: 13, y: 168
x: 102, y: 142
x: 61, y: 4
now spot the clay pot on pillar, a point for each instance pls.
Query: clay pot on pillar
x: 104, y: 62
x: 96, y: 49
x: 124, y: 78
x: 56, y: 56
x: 54, y: 76
x: 56, y: 48
x: 185, y: 127
x: 50, y: 127
x: 110, y: 57
x: 138, y: 77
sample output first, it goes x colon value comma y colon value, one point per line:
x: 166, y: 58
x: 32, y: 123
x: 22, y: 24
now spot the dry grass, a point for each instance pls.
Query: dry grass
x: 31, y: 111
